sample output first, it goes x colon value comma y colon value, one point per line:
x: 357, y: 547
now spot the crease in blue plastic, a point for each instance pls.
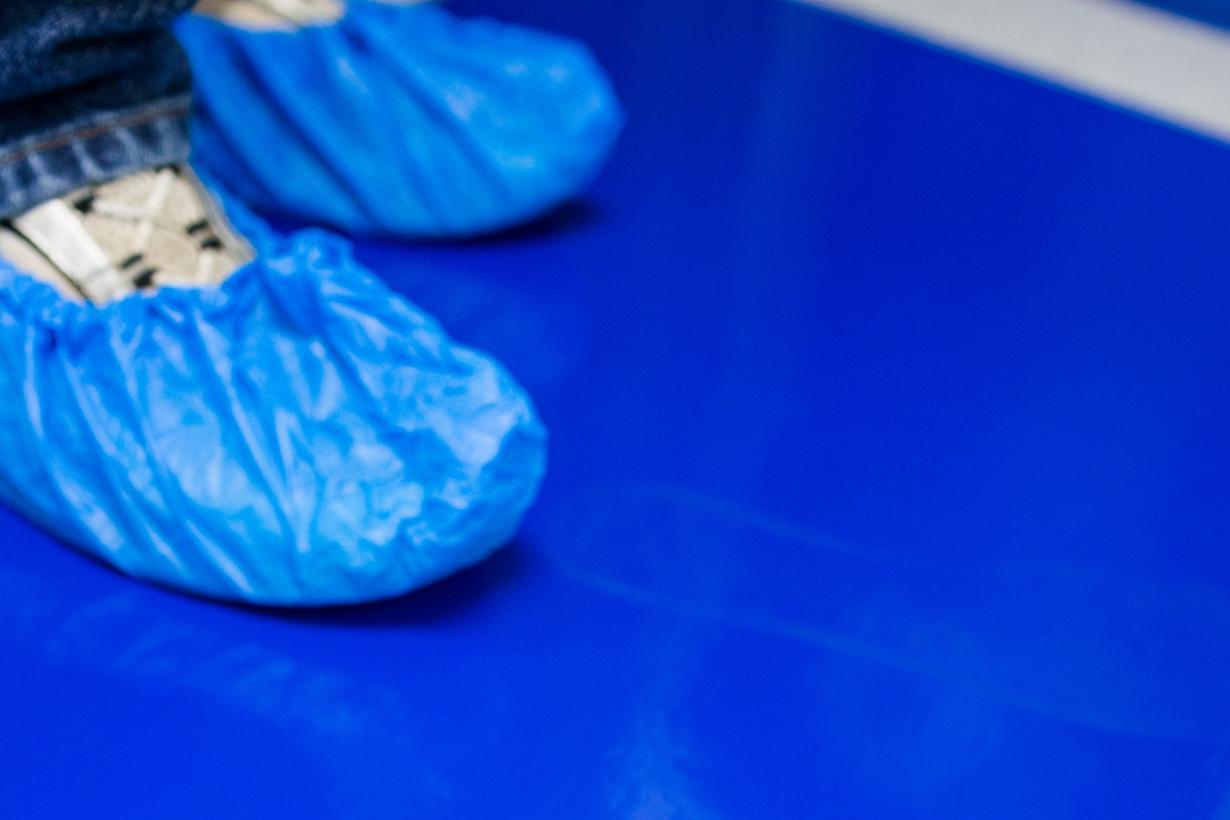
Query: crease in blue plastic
x: 298, y: 435
x: 399, y: 120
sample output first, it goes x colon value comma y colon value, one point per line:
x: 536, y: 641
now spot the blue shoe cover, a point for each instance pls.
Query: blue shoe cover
x: 297, y: 435
x: 398, y: 120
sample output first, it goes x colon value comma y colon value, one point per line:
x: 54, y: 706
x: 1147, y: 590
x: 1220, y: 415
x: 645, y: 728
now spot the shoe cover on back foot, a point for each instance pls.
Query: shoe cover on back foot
x: 297, y: 435
x: 399, y: 120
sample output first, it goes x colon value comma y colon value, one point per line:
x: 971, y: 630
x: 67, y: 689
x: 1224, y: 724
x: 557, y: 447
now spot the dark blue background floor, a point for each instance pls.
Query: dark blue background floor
x: 1216, y: 12
x: 889, y: 397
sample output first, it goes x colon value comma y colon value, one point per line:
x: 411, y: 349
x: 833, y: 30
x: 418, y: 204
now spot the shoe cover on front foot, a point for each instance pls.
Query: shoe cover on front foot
x: 399, y: 120
x: 297, y: 435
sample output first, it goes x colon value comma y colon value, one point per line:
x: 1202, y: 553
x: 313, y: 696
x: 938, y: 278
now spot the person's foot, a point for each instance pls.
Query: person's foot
x: 275, y: 427
x: 146, y: 229
x: 397, y: 120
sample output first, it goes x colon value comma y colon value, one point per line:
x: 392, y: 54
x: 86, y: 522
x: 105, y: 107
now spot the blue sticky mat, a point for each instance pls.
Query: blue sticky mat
x: 888, y: 397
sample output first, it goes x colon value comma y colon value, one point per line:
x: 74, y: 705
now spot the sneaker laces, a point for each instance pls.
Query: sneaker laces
x: 151, y: 228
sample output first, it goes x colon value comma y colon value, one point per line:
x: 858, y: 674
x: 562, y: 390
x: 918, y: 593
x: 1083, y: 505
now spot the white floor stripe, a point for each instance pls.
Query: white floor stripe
x: 1154, y: 62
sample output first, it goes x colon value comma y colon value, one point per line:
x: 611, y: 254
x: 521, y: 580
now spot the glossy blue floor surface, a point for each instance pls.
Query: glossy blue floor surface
x: 890, y: 478
x: 1216, y: 12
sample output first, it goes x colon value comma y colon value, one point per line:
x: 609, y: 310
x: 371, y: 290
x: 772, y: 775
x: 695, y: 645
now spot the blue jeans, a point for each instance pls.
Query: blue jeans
x: 89, y: 90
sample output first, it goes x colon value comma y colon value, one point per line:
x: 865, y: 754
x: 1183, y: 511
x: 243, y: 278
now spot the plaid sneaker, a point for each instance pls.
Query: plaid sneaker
x: 150, y: 228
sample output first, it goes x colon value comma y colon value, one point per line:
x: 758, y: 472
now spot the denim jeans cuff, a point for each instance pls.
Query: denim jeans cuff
x: 89, y: 150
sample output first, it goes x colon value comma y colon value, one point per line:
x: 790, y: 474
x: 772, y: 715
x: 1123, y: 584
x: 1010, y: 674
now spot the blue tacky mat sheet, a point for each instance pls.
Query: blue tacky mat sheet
x: 887, y: 395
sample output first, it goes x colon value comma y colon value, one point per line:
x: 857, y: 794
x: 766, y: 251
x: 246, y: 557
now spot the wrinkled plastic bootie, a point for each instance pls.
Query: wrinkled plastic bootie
x: 266, y: 424
x: 394, y: 120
